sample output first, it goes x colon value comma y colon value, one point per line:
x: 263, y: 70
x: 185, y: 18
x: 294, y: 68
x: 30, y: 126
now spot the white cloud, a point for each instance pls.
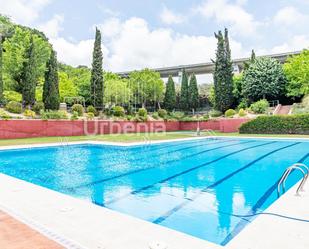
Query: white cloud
x: 75, y: 54
x: 294, y: 44
x: 290, y: 16
x: 22, y: 11
x: 110, y: 28
x: 52, y: 27
x: 169, y: 17
x: 136, y: 47
x: 235, y: 15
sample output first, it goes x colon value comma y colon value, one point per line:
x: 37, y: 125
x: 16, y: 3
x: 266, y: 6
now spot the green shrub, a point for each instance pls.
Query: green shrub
x: 4, y: 115
x: 229, y: 113
x: 90, y: 115
x: 37, y: 107
x: 177, y: 115
x: 74, y: 116
x: 162, y: 113
x: 129, y: 117
x: 92, y: 109
x: 278, y: 124
x: 78, y: 108
x: 155, y: 116
x: 45, y: 115
x: 215, y: 113
x: 242, y: 113
x: 142, y: 112
x: 138, y: 118
x: 243, y: 104
x: 118, y: 111
x: 12, y: 96
x: 14, y: 107
x: 260, y: 106
x: 29, y: 114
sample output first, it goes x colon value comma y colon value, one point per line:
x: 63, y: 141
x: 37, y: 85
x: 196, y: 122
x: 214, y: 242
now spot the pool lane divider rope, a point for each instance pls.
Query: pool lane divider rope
x: 183, y: 204
x: 153, y: 167
x: 254, y: 209
x: 182, y: 173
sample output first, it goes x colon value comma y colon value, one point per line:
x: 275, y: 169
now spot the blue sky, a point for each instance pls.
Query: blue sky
x: 154, y: 33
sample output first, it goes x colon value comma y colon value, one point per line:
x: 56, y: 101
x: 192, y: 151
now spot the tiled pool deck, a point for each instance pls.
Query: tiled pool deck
x: 74, y: 223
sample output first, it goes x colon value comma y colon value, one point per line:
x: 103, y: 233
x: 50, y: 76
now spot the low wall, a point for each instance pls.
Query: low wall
x: 10, y: 129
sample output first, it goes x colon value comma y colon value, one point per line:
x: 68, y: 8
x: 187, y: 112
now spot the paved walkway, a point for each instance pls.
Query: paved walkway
x: 16, y: 235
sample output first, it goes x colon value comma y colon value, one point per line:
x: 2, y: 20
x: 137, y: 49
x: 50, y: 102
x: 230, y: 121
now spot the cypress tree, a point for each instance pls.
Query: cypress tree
x: 51, y: 97
x: 170, y: 95
x: 252, y: 59
x: 96, y: 83
x: 184, y: 93
x: 1, y: 80
x: 28, y: 77
x: 223, y: 74
x: 193, y: 93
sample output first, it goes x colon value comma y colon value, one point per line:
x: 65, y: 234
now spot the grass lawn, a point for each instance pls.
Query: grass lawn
x: 133, y: 137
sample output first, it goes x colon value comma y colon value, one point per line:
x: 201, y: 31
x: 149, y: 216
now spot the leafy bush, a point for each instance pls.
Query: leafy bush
x: 29, y: 114
x: 74, y: 116
x: 177, y: 115
x: 155, y: 116
x: 118, y: 111
x: 92, y: 109
x: 264, y: 78
x: 301, y: 108
x: 138, y: 118
x: 45, y: 115
x: 129, y: 117
x: 260, y: 106
x: 243, y: 104
x: 14, y: 107
x: 37, y: 107
x: 229, y: 113
x: 162, y: 113
x: 12, y: 96
x: 90, y: 115
x: 142, y: 112
x: 242, y: 113
x: 4, y: 115
x: 78, y: 108
x: 215, y: 113
x: 278, y: 124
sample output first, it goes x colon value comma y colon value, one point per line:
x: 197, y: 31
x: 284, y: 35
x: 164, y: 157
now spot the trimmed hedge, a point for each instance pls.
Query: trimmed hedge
x: 285, y: 124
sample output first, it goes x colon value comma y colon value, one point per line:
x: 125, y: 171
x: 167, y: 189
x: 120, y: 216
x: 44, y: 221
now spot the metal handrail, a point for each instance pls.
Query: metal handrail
x: 288, y: 171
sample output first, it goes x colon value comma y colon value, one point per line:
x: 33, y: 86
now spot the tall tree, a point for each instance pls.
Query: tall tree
x: 223, y: 74
x: 170, y: 95
x: 51, y: 97
x: 193, y: 93
x: 28, y: 76
x: 96, y: 81
x: 251, y: 60
x: 184, y: 93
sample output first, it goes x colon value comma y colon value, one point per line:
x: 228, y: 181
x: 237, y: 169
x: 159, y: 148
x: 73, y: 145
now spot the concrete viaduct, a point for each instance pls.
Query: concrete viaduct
x: 208, y: 67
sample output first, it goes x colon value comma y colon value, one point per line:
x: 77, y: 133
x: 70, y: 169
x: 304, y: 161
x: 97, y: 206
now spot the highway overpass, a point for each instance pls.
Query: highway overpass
x: 208, y: 67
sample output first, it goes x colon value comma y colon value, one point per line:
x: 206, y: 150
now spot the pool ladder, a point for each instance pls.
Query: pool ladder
x: 297, y: 166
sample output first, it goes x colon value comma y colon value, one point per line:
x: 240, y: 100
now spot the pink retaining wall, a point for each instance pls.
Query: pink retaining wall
x: 40, y: 128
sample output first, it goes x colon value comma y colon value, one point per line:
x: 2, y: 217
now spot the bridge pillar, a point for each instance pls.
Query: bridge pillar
x: 179, y: 76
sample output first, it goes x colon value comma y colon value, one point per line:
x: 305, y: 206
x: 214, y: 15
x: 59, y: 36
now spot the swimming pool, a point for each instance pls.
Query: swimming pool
x: 209, y: 189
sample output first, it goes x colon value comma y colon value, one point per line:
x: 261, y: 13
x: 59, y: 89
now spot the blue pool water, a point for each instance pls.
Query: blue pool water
x: 206, y: 188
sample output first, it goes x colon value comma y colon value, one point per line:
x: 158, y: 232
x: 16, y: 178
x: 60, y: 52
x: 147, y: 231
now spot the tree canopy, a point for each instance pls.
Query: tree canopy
x: 96, y: 81
x: 223, y: 75
x: 264, y: 78
x: 297, y: 72
x: 170, y: 95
